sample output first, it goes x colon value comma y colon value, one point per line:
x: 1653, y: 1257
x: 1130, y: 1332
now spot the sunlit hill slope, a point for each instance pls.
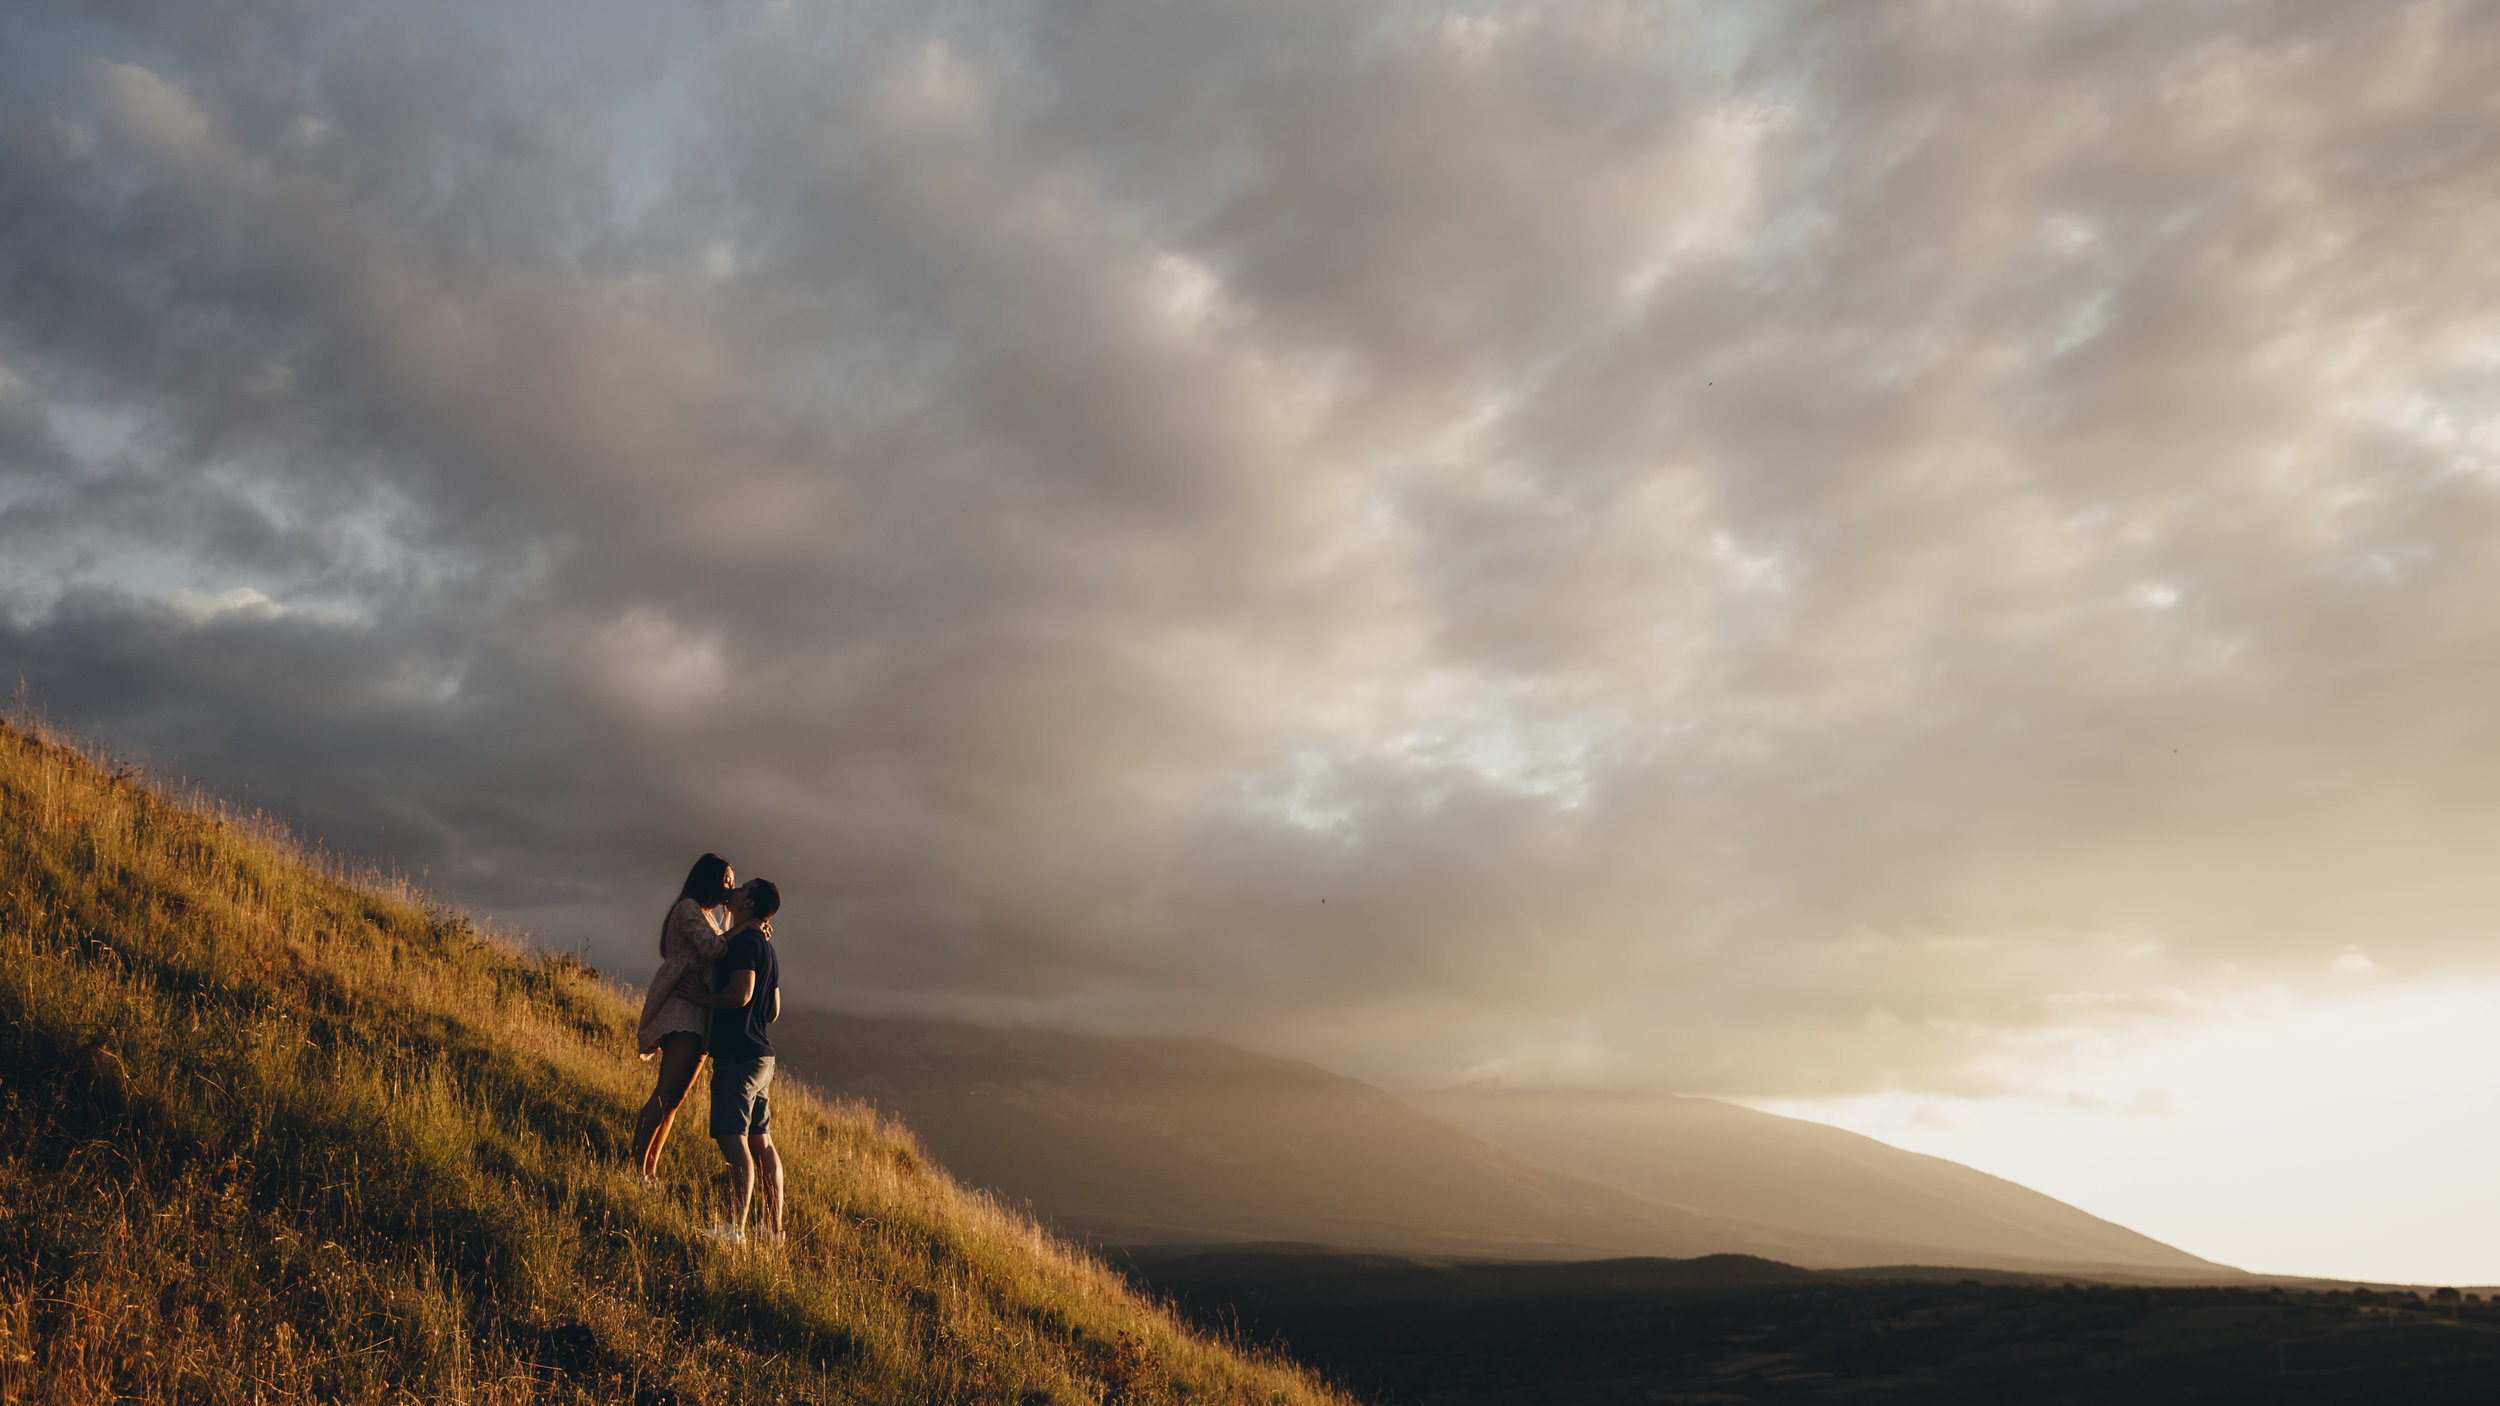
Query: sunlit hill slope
x: 268, y: 1133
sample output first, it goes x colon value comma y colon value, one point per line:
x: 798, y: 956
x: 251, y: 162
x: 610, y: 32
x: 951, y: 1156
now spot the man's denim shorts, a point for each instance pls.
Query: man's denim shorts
x: 739, y: 1107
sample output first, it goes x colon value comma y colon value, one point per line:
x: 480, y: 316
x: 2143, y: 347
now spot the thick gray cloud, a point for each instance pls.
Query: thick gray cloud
x: 1758, y: 549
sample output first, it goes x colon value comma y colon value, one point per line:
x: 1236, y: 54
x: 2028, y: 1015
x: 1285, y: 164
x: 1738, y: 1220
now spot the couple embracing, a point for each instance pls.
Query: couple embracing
x: 717, y: 992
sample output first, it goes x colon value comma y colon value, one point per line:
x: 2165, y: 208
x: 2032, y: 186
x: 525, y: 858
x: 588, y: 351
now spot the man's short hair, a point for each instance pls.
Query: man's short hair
x: 765, y: 897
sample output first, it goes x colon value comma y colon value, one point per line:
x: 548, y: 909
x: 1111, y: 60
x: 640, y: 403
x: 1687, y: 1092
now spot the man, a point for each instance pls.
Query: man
x: 746, y: 1000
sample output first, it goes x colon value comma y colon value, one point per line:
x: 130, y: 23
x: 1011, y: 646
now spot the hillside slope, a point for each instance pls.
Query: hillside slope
x: 1145, y: 1141
x: 270, y: 1135
x: 1856, y: 1200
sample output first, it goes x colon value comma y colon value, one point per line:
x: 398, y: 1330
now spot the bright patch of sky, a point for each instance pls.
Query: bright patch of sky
x: 2342, y: 1136
x: 1550, y: 758
x: 1303, y: 791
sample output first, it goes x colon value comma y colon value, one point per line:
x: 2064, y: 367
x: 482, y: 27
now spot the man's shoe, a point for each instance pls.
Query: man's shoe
x: 726, y: 1233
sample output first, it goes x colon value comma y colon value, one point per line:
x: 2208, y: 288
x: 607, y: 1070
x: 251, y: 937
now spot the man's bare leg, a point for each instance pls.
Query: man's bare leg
x: 741, y: 1177
x: 767, y: 1170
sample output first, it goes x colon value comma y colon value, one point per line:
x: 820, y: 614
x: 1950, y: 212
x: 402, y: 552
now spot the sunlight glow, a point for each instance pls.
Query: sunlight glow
x: 2344, y: 1139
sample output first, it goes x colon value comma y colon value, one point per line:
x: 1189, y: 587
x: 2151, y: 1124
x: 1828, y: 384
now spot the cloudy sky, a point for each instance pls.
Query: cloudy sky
x: 1894, y: 560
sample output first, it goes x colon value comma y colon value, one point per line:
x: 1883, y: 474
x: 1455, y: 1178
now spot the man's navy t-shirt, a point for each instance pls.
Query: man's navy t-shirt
x: 743, y: 1032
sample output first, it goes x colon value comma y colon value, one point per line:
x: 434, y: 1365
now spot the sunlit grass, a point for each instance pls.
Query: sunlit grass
x: 272, y: 1130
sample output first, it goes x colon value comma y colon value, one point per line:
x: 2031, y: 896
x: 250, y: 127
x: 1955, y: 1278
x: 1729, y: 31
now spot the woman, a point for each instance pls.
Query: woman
x: 672, y: 1026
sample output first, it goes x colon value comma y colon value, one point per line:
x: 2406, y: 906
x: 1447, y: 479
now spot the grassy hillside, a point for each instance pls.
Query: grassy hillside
x: 268, y: 1133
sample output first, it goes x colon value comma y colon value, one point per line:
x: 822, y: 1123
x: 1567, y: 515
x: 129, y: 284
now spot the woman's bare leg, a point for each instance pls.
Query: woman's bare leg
x: 680, y: 1056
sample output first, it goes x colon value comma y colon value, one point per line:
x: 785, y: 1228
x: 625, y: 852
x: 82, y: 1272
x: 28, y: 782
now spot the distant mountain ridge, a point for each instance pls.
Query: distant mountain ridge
x: 1804, y: 1178
x: 1137, y: 1142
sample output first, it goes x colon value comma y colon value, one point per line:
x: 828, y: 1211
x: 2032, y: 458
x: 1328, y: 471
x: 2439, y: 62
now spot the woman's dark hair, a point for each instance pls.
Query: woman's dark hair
x: 765, y: 898
x: 707, y: 883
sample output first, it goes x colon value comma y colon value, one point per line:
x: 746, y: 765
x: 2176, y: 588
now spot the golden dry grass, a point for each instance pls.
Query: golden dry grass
x: 274, y: 1131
